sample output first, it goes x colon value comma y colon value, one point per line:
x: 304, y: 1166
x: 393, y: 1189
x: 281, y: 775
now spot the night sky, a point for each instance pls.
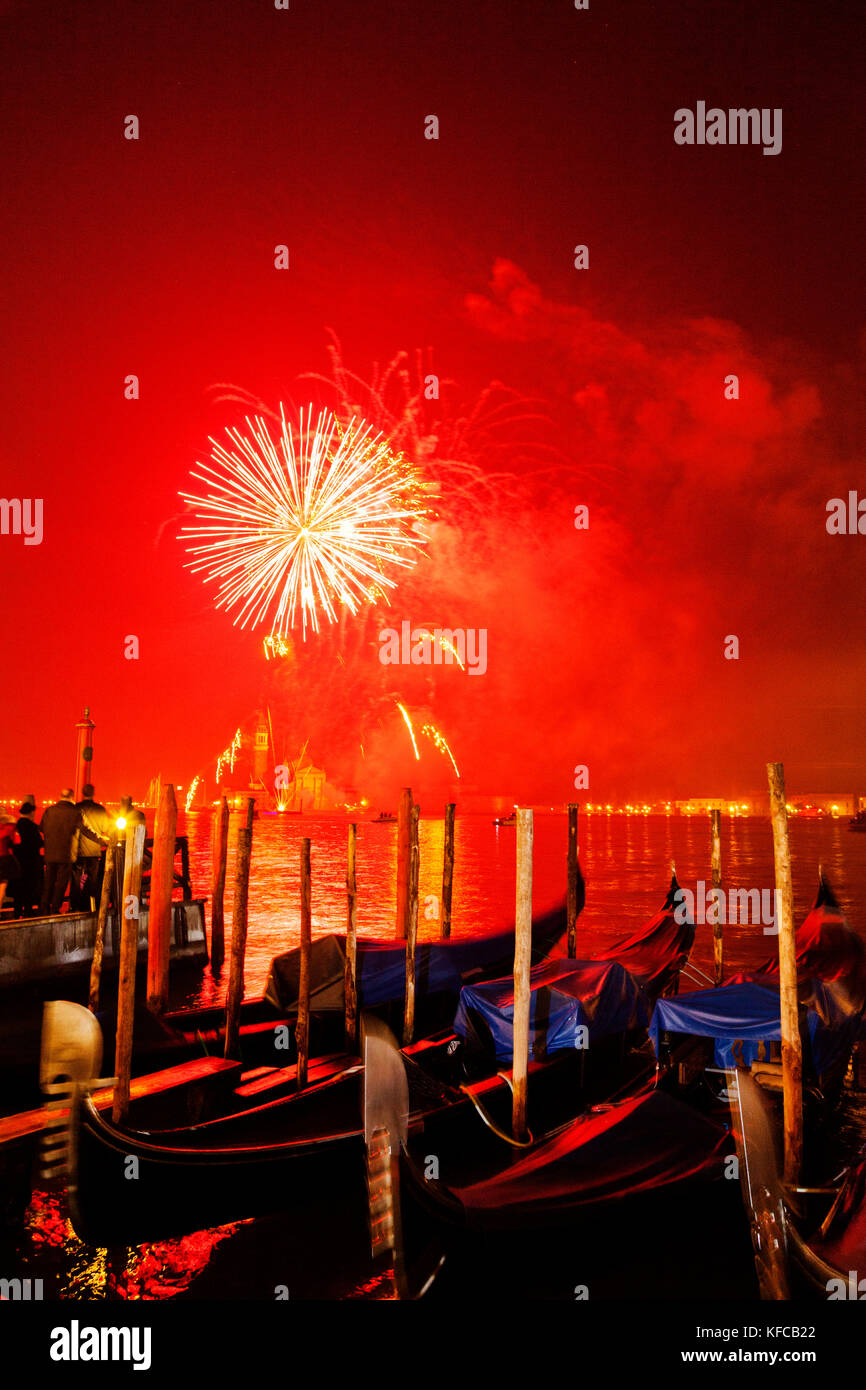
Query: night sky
x: 305, y: 127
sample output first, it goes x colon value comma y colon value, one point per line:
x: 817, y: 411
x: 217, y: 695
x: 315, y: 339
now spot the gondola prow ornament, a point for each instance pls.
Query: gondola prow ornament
x: 386, y: 1129
x: 69, y: 1064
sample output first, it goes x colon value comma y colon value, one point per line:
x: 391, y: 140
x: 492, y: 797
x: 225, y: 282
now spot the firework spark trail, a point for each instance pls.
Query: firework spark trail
x: 228, y: 756
x: 441, y: 743
x: 276, y: 647
x: 304, y: 524
x: 408, y: 722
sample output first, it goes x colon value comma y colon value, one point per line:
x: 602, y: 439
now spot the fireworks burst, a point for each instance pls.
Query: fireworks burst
x: 296, y: 527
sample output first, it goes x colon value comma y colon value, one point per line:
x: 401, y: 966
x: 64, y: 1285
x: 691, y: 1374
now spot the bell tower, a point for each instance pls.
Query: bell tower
x: 260, y: 752
x: 83, y: 752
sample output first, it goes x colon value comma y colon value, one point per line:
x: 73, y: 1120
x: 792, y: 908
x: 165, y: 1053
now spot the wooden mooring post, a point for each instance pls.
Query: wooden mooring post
x: 159, y: 911
x: 239, y: 944
x: 302, y: 1028
x: 404, y: 815
x: 411, y: 928
x: 130, y: 910
x: 448, y: 870
x: 571, y: 899
x: 101, y: 919
x: 522, y: 967
x: 716, y: 875
x: 220, y: 833
x: 792, y: 1047
x: 351, y: 984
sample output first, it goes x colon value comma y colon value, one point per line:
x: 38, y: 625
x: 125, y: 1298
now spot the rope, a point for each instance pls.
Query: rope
x: 500, y: 1134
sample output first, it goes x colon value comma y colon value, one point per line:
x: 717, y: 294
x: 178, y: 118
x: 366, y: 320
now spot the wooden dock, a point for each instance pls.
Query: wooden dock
x: 41, y: 948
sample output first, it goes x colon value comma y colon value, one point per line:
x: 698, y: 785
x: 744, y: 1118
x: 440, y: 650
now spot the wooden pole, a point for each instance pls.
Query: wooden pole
x: 251, y: 812
x: 159, y: 913
x: 302, y: 1028
x: 220, y: 830
x: 571, y: 905
x: 239, y: 944
x: 102, y: 917
x: 792, y: 1048
x: 716, y: 874
x: 351, y: 944
x: 522, y: 966
x: 184, y: 869
x: 130, y: 910
x: 412, y: 932
x: 403, y: 817
x: 448, y: 870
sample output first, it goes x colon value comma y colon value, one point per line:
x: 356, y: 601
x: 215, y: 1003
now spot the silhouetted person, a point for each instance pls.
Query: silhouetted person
x: 92, y: 839
x: 130, y: 812
x: 60, y: 825
x: 27, y: 890
x: 10, y: 870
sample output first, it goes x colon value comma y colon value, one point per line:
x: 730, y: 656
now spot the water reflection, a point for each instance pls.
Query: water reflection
x: 625, y: 860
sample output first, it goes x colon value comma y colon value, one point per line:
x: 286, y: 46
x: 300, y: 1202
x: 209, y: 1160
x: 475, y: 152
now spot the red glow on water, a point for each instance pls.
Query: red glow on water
x: 74, y: 1270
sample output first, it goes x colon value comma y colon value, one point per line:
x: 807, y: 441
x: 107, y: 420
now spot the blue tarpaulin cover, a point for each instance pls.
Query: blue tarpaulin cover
x: 380, y: 968
x: 566, y: 996
x: 742, y: 1016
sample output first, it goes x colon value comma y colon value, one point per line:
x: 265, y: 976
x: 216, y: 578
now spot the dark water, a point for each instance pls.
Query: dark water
x: 315, y: 1253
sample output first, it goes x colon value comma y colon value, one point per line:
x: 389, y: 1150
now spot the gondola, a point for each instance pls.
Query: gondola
x: 809, y: 1242
x: 242, y: 1163
x: 256, y: 1121
x: 710, y: 1031
x: 565, y: 1206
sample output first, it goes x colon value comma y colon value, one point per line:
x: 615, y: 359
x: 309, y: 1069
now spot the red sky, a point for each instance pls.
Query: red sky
x: 707, y: 517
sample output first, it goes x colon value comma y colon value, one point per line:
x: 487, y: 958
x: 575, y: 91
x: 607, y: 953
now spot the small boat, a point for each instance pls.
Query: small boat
x: 384, y: 818
x: 858, y: 822
x: 506, y: 820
